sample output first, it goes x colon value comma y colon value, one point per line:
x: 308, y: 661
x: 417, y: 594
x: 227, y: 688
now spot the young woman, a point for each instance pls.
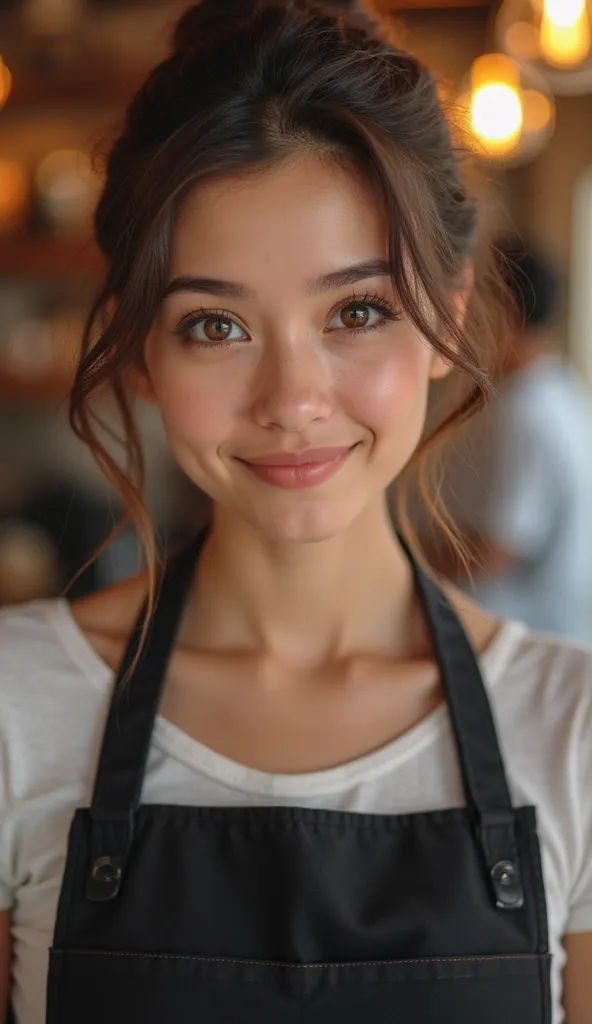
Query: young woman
x: 290, y: 779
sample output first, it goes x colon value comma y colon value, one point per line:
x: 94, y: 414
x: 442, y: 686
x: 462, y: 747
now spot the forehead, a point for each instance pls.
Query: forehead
x: 301, y: 218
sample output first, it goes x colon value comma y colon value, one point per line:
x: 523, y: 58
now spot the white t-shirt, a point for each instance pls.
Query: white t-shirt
x: 522, y: 476
x: 54, y: 696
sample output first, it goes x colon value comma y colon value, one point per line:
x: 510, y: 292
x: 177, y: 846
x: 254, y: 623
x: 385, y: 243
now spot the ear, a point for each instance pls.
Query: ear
x: 139, y: 383
x: 136, y: 377
x: 139, y: 380
x: 441, y: 367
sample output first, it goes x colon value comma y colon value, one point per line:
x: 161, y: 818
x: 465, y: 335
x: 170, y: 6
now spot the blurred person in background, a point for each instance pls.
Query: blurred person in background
x: 519, y: 480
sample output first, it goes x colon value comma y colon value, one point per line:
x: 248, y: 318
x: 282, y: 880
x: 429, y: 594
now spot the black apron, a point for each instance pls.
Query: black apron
x: 179, y: 915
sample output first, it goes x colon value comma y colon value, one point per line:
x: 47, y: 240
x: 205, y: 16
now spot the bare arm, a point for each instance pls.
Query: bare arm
x: 5, y: 958
x: 577, y: 979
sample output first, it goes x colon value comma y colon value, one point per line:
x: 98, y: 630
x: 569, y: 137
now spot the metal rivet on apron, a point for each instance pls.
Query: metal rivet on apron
x: 104, y: 879
x: 508, y: 889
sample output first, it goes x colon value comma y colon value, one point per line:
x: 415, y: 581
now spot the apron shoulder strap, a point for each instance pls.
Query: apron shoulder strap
x: 469, y: 708
x: 481, y: 763
x: 136, y: 696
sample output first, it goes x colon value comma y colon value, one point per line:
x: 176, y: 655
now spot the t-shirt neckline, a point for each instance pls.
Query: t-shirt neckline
x: 179, y: 745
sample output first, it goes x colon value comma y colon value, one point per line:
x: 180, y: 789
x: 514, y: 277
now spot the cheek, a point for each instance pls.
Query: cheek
x: 391, y: 396
x: 196, y: 406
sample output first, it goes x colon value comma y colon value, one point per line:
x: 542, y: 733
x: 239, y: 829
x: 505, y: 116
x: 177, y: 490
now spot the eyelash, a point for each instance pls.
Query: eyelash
x: 388, y: 311
x: 378, y: 303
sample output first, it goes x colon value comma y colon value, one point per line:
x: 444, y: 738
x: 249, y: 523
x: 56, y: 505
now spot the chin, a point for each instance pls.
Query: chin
x: 304, y: 525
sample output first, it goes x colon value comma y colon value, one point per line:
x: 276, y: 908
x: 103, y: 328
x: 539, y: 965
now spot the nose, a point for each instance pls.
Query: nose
x: 292, y: 390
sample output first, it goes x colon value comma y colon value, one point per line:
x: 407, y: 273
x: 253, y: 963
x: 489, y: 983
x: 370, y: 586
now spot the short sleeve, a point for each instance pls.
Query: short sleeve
x: 6, y: 900
x: 6, y: 858
x: 522, y: 500
x: 579, y: 917
x: 580, y: 920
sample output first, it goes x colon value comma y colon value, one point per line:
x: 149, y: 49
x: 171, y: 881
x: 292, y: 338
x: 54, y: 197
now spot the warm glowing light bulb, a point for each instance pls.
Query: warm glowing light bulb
x: 5, y: 82
x: 565, y: 32
x: 564, y: 12
x: 496, y: 104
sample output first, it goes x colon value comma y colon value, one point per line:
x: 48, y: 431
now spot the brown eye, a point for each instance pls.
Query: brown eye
x: 360, y: 316
x: 354, y: 315
x: 211, y: 330
x: 217, y: 329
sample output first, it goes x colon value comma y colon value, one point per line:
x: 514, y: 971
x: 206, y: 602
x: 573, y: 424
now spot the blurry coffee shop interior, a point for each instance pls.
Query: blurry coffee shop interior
x: 517, y: 74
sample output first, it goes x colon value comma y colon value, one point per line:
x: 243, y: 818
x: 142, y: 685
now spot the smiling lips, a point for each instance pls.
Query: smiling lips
x: 296, y: 470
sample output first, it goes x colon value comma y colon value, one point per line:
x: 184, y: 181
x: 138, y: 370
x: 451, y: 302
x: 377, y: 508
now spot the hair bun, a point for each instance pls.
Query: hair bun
x: 209, y: 18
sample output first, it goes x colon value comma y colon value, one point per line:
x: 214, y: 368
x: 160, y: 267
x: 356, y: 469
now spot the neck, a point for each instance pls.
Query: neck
x: 306, y: 604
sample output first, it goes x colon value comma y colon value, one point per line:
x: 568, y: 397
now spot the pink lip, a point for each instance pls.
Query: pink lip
x: 298, y: 470
x: 311, y: 455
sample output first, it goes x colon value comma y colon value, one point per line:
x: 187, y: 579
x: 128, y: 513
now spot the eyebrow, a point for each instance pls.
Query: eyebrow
x: 211, y: 285
x: 350, y: 275
x: 326, y: 283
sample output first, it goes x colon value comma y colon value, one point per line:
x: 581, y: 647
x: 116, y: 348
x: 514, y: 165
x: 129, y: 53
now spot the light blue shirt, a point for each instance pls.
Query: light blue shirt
x: 522, y: 478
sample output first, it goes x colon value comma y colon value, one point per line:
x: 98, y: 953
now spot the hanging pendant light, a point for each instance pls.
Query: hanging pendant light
x: 507, y: 110
x: 555, y: 35
x: 497, y: 113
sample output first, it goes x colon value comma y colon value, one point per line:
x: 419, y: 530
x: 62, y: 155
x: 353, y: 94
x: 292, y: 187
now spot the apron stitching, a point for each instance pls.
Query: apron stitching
x: 309, y: 967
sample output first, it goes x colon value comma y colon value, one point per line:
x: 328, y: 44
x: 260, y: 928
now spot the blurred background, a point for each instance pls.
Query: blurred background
x: 518, y: 75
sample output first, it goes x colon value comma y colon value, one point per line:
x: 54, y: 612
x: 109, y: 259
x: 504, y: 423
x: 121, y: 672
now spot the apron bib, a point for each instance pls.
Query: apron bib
x: 243, y: 915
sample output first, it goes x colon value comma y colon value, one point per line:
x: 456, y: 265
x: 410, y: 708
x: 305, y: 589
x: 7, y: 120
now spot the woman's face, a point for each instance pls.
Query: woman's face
x: 281, y: 339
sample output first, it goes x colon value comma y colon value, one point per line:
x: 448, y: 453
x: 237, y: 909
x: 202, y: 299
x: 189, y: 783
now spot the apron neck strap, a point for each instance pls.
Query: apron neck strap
x: 477, y: 743
x: 137, y: 694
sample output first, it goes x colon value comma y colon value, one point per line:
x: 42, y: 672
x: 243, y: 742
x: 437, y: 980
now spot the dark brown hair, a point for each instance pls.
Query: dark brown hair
x: 248, y: 83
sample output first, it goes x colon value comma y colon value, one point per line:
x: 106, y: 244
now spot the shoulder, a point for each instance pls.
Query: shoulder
x: 53, y: 689
x: 31, y: 640
x: 113, y: 610
x: 547, y: 676
x: 54, y: 695
x: 106, y: 618
x: 541, y: 694
x: 38, y: 640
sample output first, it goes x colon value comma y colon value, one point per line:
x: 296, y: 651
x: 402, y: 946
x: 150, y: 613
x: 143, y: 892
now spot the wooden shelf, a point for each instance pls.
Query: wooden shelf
x: 48, y: 256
